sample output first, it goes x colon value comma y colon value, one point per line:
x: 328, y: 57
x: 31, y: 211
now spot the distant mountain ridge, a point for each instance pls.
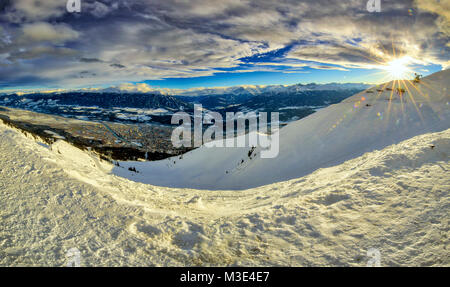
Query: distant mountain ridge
x: 270, y: 89
x: 113, y: 104
x: 193, y: 92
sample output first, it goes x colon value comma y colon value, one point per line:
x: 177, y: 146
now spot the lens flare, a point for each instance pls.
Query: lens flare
x: 398, y: 69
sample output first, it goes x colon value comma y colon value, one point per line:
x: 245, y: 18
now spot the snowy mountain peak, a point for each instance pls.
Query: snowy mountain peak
x: 234, y: 90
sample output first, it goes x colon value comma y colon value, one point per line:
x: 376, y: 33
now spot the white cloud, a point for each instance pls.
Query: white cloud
x: 35, y: 10
x: 45, y: 32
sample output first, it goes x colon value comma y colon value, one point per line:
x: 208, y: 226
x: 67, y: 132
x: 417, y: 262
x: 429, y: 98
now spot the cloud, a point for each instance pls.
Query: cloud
x: 338, y: 54
x: 323, y: 67
x: 282, y: 63
x: 140, y: 88
x: 90, y: 60
x: 33, y: 10
x: 119, y: 66
x: 41, y: 51
x: 440, y: 8
x: 45, y: 32
x: 134, y: 40
x: 98, y: 9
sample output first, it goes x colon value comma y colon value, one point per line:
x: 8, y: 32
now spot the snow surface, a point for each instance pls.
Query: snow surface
x: 56, y: 198
x: 361, y: 123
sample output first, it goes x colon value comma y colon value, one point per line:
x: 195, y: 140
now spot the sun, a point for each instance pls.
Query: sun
x: 398, y: 69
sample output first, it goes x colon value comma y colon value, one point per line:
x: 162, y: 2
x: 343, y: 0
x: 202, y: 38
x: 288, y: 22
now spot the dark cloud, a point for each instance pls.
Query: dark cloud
x: 117, y: 66
x: 134, y: 40
x: 4, y: 4
x: 90, y: 60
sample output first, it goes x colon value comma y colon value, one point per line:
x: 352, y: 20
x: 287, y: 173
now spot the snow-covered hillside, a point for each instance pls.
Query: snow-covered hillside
x: 365, y: 122
x: 56, y: 198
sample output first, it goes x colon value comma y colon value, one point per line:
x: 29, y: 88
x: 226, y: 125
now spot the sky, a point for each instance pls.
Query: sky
x: 215, y: 43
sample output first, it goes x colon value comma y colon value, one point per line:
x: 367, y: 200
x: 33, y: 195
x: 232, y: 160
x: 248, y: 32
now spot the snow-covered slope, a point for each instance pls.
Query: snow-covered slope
x: 365, y: 122
x: 395, y: 200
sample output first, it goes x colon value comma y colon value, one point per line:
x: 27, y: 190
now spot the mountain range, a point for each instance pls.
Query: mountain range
x: 117, y: 103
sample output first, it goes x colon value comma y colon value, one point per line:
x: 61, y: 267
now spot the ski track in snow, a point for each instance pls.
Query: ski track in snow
x: 55, y: 199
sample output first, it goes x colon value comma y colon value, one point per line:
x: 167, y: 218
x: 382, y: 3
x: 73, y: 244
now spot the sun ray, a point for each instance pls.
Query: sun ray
x: 384, y: 49
x: 393, y: 47
x: 414, y: 103
x: 402, y: 106
x: 390, y: 101
x: 430, y: 86
x: 381, y: 92
x: 419, y: 91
